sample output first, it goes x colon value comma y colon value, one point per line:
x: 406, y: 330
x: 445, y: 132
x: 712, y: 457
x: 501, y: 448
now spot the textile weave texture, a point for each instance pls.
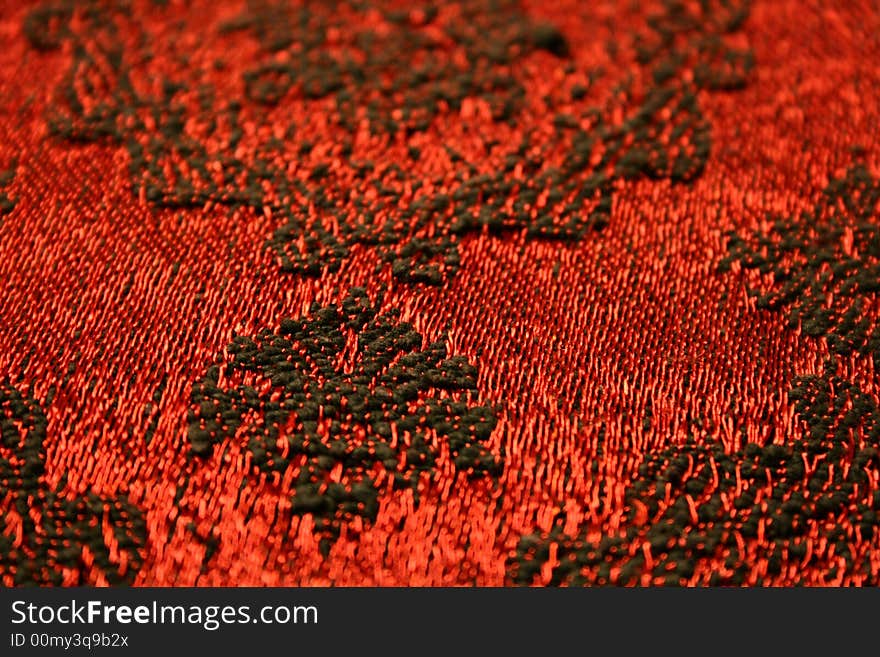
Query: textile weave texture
x: 478, y: 292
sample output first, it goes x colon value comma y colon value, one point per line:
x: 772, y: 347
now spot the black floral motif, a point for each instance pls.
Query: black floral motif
x: 697, y: 503
x: 343, y: 398
x: 7, y: 204
x: 824, y: 267
x: 185, y: 142
x: 48, y: 537
x: 805, y: 502
x: 492, y: 34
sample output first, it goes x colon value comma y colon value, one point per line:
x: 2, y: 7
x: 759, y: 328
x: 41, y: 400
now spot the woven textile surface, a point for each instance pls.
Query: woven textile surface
x: 479, y: 292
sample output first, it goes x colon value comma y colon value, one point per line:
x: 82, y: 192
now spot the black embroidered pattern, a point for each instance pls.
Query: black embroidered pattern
x: 824, y: 267
x: 48, y: 537
x: 694, y: 503
x: 491, y: 34
x: 188, y: 146
x: 344, y: 398
x: 7, y: 204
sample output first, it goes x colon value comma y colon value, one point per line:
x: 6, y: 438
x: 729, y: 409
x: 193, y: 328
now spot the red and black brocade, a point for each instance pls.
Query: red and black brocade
x: 477, y: 292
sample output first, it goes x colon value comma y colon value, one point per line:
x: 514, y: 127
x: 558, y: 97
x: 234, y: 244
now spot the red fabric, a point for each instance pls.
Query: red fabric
x: 595, y: 343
